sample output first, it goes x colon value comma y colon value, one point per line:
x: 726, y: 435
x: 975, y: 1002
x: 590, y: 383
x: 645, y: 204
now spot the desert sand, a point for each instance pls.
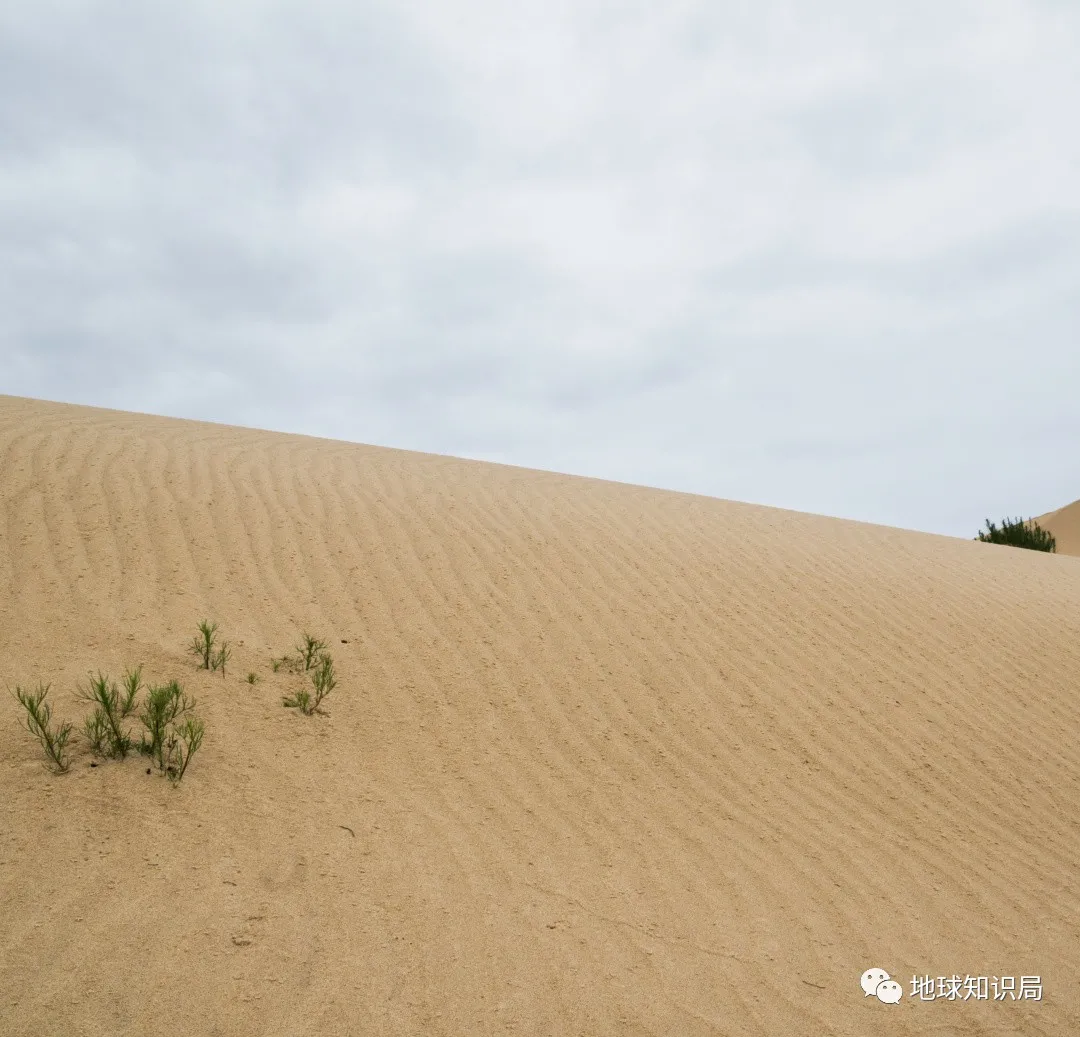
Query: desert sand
x: 602, y: 759
x: 1065, y: 525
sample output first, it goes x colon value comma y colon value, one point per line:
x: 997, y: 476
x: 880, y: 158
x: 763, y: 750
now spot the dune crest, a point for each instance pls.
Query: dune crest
x: 601, y: 760
x: 1064, y: 524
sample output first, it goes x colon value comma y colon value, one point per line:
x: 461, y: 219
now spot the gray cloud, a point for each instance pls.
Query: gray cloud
x: 824, y: 259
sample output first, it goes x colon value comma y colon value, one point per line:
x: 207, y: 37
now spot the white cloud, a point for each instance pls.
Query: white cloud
x: 764, y: 251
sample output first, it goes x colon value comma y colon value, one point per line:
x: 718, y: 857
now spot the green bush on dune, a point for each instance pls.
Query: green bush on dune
x: 105, y: 726
x: 288, y: 663
x: 38, y: 721
x: 307, y: 655
x: 1018, y: 533
x: 203, y: 645
x: 172, y: 735
x: 184, y: 740
x: 311, y: 650
x: 221, y: 657
x: 171, y: 743
x: 164, y: 705
x: 323, y: 679
x: 312, y: 659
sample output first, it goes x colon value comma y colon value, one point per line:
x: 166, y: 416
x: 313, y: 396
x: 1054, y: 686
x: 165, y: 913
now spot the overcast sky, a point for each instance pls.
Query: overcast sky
x: 821, y: 256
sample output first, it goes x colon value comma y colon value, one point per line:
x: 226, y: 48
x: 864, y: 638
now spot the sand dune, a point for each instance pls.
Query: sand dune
x: 1065, y: 525
x: 602, y: 760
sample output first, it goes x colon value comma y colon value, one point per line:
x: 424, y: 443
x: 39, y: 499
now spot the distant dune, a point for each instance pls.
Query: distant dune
x: 602, y: 759
x: 1065, y: 525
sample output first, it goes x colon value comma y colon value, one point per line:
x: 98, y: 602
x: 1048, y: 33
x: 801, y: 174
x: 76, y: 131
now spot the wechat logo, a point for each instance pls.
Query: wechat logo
x: 877, y: 981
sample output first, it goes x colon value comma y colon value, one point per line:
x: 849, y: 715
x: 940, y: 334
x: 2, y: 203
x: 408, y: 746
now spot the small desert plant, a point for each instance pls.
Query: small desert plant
x: 96, y: 727
x: 301, y: 700
x: 253, y: 678
x: 105, y: 726
x: 310, y: 650
x: 38, y: 722
x: 164, y: 705
x: 221, y: 657
x: 132, y: 687
x: 203, y: 645
x: 1018, y: 533
x: 323, y: 681
x: 183, y: 742
x: 288, y: 663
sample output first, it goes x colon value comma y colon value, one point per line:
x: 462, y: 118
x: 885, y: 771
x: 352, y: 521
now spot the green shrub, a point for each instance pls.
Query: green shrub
x: 288, y: 663
x: 1018, y: 533
x: 132, y: 687
x: 310, y: 650
x: 203, y: 645
x: 301, y: 700
x: 253, y: 678
x: 221, y: 657
x: 169, y: 740
x: 184, y: 741
x: 323, y: 681
x: 38, y: 722
x: 164, y: 704
x: 96, y: 727
x: 105, y: 726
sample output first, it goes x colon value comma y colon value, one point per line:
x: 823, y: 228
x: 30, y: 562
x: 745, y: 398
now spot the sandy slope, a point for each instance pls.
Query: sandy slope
x: 604, y: 759
x: 1065, y: 525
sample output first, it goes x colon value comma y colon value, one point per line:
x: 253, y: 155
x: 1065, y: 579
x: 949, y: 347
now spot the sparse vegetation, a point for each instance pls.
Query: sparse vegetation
x: 221, y: 657
x: 96, y: 728
x: 288, y: 663
x: 38, y: 721
x: 184, y: 740
x: 172, y: 734
x: 1018, y: 533
x: 164, y: 705
x: 105, y: 726
x: 132, y: 687
x: 323, y: 681
x: 310, y: 651
x: 300, y: 700
x: 203, y: 645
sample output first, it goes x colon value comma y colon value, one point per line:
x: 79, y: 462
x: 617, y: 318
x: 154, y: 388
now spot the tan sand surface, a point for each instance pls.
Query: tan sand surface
x: 602, y: 760
x: 1065, y: 525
